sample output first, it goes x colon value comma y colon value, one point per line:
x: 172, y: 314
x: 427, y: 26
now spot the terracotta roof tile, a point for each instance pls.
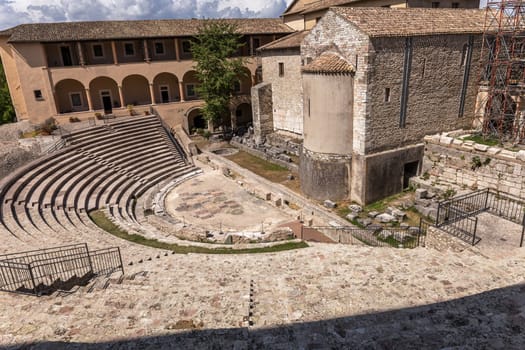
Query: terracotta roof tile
x: 290, y: 41
x: 379, y: 22
x: 329, y: 63
x: 319, y: 5
x: 107, y: 30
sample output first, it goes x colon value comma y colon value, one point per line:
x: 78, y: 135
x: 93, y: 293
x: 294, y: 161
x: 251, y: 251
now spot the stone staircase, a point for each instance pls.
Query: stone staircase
x: 46, y: 202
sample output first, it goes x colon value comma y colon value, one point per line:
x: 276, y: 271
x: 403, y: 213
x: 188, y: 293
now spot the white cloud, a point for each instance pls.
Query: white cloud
x: 13, y: 12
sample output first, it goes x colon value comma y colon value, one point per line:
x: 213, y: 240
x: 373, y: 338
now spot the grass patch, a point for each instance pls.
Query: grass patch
x: 270, y: 171
x: 484, y: 140
x: 101, y: 220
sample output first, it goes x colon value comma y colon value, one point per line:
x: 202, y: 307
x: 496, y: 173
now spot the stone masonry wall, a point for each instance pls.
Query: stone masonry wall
x: 334, y: 34
x: 287, y: 94
x: 262, y: 111
x: 474, y: 166
x: 435, y: 84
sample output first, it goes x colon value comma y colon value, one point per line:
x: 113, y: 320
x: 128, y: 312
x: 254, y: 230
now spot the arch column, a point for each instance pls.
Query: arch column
x: 152, y: 94
x: 121, y: 96
x: 181, y: 90
x: 90, y: 103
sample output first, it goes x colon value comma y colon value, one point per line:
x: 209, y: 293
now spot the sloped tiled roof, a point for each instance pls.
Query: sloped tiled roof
x: 317, y: 5
x: 329, y: 63
x: 380, y: 22
x: 107, y: 30
x: 289, y: 41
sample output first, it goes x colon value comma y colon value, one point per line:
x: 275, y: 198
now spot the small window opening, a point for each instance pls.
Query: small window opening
x: 38, y: 95
x: 98, y: 51
x: 129, y: 49
x: 455, y: 5
x: 435, y: 4
x: 281, y: 69
x: 387, y: 94
x: 159, y: 48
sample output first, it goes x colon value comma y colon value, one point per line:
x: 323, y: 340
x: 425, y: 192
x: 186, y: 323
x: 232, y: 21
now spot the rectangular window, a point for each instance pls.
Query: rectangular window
x: 38, y: 95
x: 281, y: 69
x: 455, y: 5
x: 190, y: 90
x: 159, y: 48
x: 387, y: 94
x: 186, y: 46
x: 98, y: 50
x: 256, y: 43
x: 237, y: 87
x: 129, y: 49
x: 76, y: 99
x: 435, y: 4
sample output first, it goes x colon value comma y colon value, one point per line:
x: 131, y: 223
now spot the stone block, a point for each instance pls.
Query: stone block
x: 278, y: 202
x: 373, y: 214
x: 352, y: 216
x: 329, y: 204
x: 446, y: 140
x: 493, y: 150
x: 398, y: 213
x: 457, y: 142
x: 386, y: 218
x: 421, y: 193
x: 480, y: 147
x: 355, y: 208
x: 520, y: 155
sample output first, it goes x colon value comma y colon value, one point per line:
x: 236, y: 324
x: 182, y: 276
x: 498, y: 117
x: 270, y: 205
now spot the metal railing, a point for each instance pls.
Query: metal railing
x: 456, y: 215
x: 44, y: 271
x: 173, y: 137
x: 396, y: 237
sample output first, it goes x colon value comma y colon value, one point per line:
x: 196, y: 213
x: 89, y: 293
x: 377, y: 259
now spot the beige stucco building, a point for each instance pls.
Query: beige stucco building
x: 304, y: 14
x: 74, y: 69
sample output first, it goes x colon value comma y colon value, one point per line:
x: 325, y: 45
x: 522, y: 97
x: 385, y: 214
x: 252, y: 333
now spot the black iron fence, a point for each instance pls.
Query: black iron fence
x: 457, y: 215
x: 47, y: 270
x: 397, y: 237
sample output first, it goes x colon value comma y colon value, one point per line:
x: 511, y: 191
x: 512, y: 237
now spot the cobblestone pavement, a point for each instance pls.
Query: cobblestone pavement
x: 323, y: 297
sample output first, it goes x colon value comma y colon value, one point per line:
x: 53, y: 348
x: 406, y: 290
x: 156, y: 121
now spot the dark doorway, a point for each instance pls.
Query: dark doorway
x: 164, y: 95
x: 66, y: 55
x: 410, y: 170
x: 199, y: 122
x: 106, y: 101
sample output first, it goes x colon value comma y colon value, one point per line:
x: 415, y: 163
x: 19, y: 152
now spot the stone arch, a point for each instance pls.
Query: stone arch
x: 244, y: 83
x: 194, y: 120
x: 235, y: 103
x: 166, y: 88
x: 135, y: 89
x: 243, y: 115
x: 71, y: 96
x: 99, y: 88
x: 190, y: 83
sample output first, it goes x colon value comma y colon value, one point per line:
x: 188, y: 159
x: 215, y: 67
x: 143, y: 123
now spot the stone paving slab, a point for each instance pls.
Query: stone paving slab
x: 320, y: 297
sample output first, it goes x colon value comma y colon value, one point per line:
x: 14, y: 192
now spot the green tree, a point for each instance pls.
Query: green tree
x: 7, y: 112
x: 217, y: 70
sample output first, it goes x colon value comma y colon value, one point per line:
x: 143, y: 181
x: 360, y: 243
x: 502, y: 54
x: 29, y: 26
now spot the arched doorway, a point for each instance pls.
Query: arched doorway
x: 71, y: 96
x: 104, y: 94
x: 243, y: 115
x: 166, y: 88
x: 195, y: 121
x: 135, y: 89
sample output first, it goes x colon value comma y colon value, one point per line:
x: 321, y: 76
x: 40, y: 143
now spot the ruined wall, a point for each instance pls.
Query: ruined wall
x: 287, y: 94
x: 474, y: 166
x: 262, y: 111
x: 434, y: 90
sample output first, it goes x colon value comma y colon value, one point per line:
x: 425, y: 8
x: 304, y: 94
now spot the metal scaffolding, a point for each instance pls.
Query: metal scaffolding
x: 502, y: 71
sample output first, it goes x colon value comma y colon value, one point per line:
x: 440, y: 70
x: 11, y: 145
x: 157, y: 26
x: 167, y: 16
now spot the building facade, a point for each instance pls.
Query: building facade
x: 304, y: 14
x: 375, y: 82
x: 74, y: 69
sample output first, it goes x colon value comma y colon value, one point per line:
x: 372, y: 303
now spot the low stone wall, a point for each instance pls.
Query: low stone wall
x: 471, y: 165
x: 260, y: 154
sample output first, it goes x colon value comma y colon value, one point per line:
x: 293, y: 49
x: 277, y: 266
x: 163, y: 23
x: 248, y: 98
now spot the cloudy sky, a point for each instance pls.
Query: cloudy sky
x: 13, y: 12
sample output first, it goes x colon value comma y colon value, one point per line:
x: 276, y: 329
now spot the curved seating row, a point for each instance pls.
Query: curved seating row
x: 111, y: 166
